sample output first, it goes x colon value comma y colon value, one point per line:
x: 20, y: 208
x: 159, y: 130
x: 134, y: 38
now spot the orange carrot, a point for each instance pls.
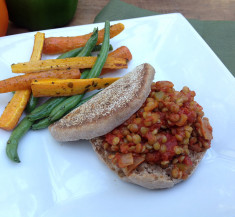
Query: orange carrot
x: 23, y: 82
x: 16, y: 106
x: 121, y: 52
x: 56, y: 45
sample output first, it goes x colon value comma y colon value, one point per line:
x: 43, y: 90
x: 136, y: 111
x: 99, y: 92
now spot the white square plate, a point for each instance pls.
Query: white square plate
x: 55, y: 179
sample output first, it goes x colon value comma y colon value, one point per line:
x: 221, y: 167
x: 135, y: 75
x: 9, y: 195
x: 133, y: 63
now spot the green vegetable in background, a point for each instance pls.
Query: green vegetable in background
x: 41, y: 14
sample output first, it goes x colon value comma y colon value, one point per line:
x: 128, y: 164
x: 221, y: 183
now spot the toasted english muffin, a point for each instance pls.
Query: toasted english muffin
x: 107, y: 109
x: 162, y: 143
x: 147, y: 175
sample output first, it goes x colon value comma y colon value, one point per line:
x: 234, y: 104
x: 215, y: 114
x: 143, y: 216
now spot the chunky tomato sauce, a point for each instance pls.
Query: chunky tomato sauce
x: 168, y: 126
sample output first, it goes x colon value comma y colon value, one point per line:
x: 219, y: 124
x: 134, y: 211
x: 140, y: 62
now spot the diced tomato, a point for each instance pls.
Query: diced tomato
x: 187, y: 161
x: 154, y: 157
x: 124, y: 148
x: 191, y: 115
x: 170, y: 144
x: 109, y: 138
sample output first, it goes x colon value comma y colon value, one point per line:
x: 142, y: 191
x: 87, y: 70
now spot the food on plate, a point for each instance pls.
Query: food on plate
x: 162, y: 143
x: 26, y: 124
x: 108, y: 109
x: 68, y: 63
x: 15, y: 108
x: 68, y: 87
x: 55, y: 108
x: 32, y: 103
x: 71, y: 102
x: 76, y: 51
x: 121, y: 52
x: 23, y: 82
x: 56, y: 45
x: 83, y: 51
x: 148, y: 133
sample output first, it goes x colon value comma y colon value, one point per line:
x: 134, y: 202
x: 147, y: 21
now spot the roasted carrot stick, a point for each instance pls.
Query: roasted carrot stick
x: 14, y: 109
x: 121, y: 52
x: 23, y: 82
x: 56, y: 45
x: 16, y: 106
x: 39, y: 39
x: 68, y: 87
x: 68, y: 63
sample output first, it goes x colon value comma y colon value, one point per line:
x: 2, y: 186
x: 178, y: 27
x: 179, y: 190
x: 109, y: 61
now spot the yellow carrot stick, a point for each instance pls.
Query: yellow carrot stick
x: 68, y: 63
x: 38, y: 46
x: 14, y: 109
x: 16, y: 106
x: 68, y: 87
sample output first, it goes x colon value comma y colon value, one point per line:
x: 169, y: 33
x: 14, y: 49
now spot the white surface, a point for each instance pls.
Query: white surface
x: 68, y: 180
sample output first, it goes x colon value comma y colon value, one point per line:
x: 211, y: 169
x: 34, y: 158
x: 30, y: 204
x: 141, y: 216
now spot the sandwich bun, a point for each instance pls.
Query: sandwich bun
x: 162, y: 143
x: 108, y: 109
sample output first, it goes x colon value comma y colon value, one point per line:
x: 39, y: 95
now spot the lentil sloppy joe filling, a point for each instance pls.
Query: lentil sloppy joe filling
x: 168, y: 126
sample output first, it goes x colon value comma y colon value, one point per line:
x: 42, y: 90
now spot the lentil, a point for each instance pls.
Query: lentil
x: 136, y: 139
x: 168, y: 126
x: 144, y: 130
x: 156, y: 146
x: 116, y: 140
x: 163, y: 148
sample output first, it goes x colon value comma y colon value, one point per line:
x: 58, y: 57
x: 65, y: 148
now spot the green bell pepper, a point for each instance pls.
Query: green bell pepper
x: 41, y: 14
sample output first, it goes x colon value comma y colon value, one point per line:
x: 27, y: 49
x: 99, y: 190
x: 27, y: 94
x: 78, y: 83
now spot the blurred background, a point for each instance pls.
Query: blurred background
x: 86, y: 10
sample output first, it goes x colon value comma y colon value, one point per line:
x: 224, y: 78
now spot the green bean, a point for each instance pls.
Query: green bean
x: 58, y: 112
x: 39, y: 108
x: 12, y: 143
x: 89, y: 46
x: 86, y: 99
x: 42, y: 124
x: 49, y: 105
x: 96, y: 69
x: 32, y: 103
x: 84, y: 51
x: 76, y: 51
x: 67, y: 105
x: 71, y: 53
x: 72, y: 101
x: 98, y: 47
x: 63, y: 107
x: 85, y: 74
x: 46, y: 122
x: 20, y: 130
